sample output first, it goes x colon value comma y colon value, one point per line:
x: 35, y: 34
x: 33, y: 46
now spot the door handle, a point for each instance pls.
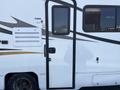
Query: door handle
x: 52, y: 50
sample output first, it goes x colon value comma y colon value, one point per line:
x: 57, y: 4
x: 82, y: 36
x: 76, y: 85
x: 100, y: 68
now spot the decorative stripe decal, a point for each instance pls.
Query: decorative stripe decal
x: 5, y: 49
x: 99, y: 38
x: 63, y: 37
x: 19, y: 23
x: 85, y: 35
x: 2, y: 30
x: 69, y: 38
x: 16, y: 53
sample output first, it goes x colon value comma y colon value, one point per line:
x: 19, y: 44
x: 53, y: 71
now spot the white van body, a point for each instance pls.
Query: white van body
x: 23, y: 40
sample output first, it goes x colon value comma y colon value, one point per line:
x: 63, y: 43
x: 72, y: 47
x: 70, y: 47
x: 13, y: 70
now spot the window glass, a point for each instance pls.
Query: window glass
x: 61, y: 20
x: 99, y: 19
x: 107, y: 19
x: 118, y: 19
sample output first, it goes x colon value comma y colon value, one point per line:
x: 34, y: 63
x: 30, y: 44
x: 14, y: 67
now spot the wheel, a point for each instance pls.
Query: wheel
x: 21, y: 82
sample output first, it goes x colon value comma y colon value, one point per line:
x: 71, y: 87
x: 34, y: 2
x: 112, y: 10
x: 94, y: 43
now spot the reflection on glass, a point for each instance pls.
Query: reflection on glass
x: 118, y: 19
x: 107, y: 19
x: 61, y: 20
x: 100, y: 19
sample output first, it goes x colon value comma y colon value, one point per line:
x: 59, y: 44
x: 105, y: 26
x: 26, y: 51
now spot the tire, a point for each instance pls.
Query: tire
x: 21, y: 82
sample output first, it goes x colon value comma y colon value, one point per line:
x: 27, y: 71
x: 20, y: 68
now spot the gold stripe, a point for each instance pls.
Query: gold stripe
x: 16, y: 53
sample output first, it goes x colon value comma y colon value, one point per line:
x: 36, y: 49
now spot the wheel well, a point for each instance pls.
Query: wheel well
x: 9, y: 75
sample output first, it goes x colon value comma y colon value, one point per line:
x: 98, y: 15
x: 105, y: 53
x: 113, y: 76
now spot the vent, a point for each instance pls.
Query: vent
x: 27, y: 38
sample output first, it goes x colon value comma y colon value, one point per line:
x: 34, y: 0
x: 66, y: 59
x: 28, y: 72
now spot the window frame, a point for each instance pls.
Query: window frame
x: 60, y: 6
x: 100, y: 6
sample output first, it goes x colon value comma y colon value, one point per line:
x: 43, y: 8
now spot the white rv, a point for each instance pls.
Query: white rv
x: 59, y: 44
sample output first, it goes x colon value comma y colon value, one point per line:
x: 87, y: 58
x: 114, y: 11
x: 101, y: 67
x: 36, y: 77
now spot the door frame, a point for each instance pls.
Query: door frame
x: 47, y: 42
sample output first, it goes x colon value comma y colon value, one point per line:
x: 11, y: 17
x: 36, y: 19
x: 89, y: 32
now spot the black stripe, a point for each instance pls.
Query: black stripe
x: 66, y: 4
x: 69, y: 38
x: 63, y: 37
x: 5, y: 31
x: 99, y: 38
x: 85, y: 35
x: 45, y: 39
x: 5, y: 49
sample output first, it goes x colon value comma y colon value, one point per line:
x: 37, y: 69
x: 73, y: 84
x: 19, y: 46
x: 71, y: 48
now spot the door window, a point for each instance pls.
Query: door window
x: 60, y: 20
